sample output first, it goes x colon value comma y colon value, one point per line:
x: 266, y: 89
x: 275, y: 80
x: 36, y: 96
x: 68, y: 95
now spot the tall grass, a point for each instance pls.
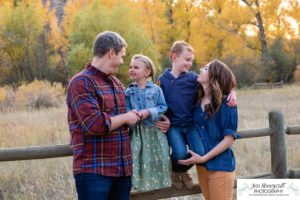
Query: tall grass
x: 52, y: 178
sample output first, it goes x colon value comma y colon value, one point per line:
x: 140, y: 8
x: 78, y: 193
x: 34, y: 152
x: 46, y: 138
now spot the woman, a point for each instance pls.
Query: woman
x: 216, y: 123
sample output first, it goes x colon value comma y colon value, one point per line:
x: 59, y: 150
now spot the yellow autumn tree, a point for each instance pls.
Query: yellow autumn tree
x: 215, y: 31
x: 154, y: 21
x: 22, y: 27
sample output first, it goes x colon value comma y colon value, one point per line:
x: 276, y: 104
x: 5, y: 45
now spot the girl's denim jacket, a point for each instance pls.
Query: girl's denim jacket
x: 151, y: 97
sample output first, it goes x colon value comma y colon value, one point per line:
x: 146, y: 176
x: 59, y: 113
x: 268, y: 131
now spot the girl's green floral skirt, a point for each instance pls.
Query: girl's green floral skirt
x: 151, y: 159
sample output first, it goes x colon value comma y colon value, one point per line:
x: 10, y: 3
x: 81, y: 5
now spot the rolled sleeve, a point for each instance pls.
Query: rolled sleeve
x: 161, y: 108
x: 154, y: 114
x: 85, y: 106
x: 230, y: 121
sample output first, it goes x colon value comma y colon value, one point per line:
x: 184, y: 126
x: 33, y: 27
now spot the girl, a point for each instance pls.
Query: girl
x: 216, y: 123
x: 150, y: 150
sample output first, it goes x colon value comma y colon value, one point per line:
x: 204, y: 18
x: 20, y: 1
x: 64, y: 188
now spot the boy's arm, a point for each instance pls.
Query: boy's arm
x: 231, y: 99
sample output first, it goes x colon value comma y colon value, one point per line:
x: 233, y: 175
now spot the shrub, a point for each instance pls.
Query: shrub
x: 34, y: 95
x: 297, y: 74
x: 7, y: 97
x: 39, y: 94
x: 247, y: 70
x: 283, y: 65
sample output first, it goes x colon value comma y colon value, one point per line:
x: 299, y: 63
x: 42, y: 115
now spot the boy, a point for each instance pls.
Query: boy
x: 180, y: 90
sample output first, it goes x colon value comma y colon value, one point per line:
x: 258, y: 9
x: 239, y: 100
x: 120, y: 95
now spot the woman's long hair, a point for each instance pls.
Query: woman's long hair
x: 221, y: 82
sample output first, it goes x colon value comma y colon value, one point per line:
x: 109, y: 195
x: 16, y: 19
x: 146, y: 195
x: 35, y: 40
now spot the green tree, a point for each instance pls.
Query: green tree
x: 283, y: 65
x: 96, y: 18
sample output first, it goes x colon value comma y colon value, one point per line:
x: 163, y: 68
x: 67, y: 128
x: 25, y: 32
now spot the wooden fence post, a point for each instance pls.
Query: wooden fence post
x: 277, y: 139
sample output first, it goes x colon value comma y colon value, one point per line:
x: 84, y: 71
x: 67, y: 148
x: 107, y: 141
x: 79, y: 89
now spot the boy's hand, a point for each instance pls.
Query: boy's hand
x: 231, y: 99
x: 163, y: 124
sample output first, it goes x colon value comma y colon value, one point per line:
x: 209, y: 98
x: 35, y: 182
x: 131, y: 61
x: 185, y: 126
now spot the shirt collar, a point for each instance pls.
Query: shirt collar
x: 149, y: 84
x: 97, y: 71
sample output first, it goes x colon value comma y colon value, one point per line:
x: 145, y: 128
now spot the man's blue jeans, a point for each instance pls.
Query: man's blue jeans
x: 179, y: 138
x: 97, y: 187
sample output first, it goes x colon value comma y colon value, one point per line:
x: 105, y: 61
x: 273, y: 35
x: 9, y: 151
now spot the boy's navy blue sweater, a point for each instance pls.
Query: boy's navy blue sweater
x: 181, y: 96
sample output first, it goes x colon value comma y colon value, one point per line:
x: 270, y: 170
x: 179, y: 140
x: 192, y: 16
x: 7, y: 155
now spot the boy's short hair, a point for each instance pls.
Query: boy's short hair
x: 108, y: 40
x: 178, y: 47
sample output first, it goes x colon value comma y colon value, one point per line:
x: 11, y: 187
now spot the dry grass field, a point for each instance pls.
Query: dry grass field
x: 52, y: 178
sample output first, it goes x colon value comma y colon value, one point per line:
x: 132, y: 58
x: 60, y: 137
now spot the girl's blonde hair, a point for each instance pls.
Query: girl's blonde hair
x: 148, y: 63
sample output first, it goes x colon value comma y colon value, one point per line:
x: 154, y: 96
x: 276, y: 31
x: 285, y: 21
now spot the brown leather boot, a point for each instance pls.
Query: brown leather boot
x: 187, y: 180
x: 176, y: 180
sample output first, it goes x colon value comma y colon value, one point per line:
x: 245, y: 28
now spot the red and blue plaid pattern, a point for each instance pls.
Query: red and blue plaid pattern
x: 92, y: 98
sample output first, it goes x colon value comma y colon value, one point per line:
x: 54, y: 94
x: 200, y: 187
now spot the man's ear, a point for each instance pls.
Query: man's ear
x: 111, y: 52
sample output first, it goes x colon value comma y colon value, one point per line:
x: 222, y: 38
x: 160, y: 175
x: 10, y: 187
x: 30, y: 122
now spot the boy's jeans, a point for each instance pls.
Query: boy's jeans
x: 179, y: 138
x: 95, y: 186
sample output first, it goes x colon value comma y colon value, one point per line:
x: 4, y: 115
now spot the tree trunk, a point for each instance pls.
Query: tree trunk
x: 263, y: 41
x: 27, y: 69
x: 66, y: 71
x: 169, y: 4
x: 262, y: 37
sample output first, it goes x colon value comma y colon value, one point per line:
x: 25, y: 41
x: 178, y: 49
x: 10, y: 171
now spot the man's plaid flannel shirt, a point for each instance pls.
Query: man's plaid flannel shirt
x: 92, y: 98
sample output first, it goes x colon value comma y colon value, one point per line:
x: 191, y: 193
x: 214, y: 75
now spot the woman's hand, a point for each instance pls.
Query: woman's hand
x: 221, y: 147
x: 196, y: 158
x: 163, y: 124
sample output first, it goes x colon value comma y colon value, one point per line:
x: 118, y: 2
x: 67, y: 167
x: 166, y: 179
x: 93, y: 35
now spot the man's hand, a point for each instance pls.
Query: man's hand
x: 231, y: 99
x: 196, y: 158
x: 163, y: 124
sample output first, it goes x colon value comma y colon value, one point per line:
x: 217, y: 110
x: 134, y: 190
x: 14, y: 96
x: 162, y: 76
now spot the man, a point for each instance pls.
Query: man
x: 97, y: 119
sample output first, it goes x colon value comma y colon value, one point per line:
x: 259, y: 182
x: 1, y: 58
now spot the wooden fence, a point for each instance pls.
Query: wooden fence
x: 268, y: 85
x: 276, y: 131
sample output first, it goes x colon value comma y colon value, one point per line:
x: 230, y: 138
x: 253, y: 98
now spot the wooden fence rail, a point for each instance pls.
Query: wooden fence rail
x: 276, y: 131
x: 268, y: 85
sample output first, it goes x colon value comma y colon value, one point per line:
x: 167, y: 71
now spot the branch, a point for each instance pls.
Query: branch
x: 246, y: 2
x: 250, y: 6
